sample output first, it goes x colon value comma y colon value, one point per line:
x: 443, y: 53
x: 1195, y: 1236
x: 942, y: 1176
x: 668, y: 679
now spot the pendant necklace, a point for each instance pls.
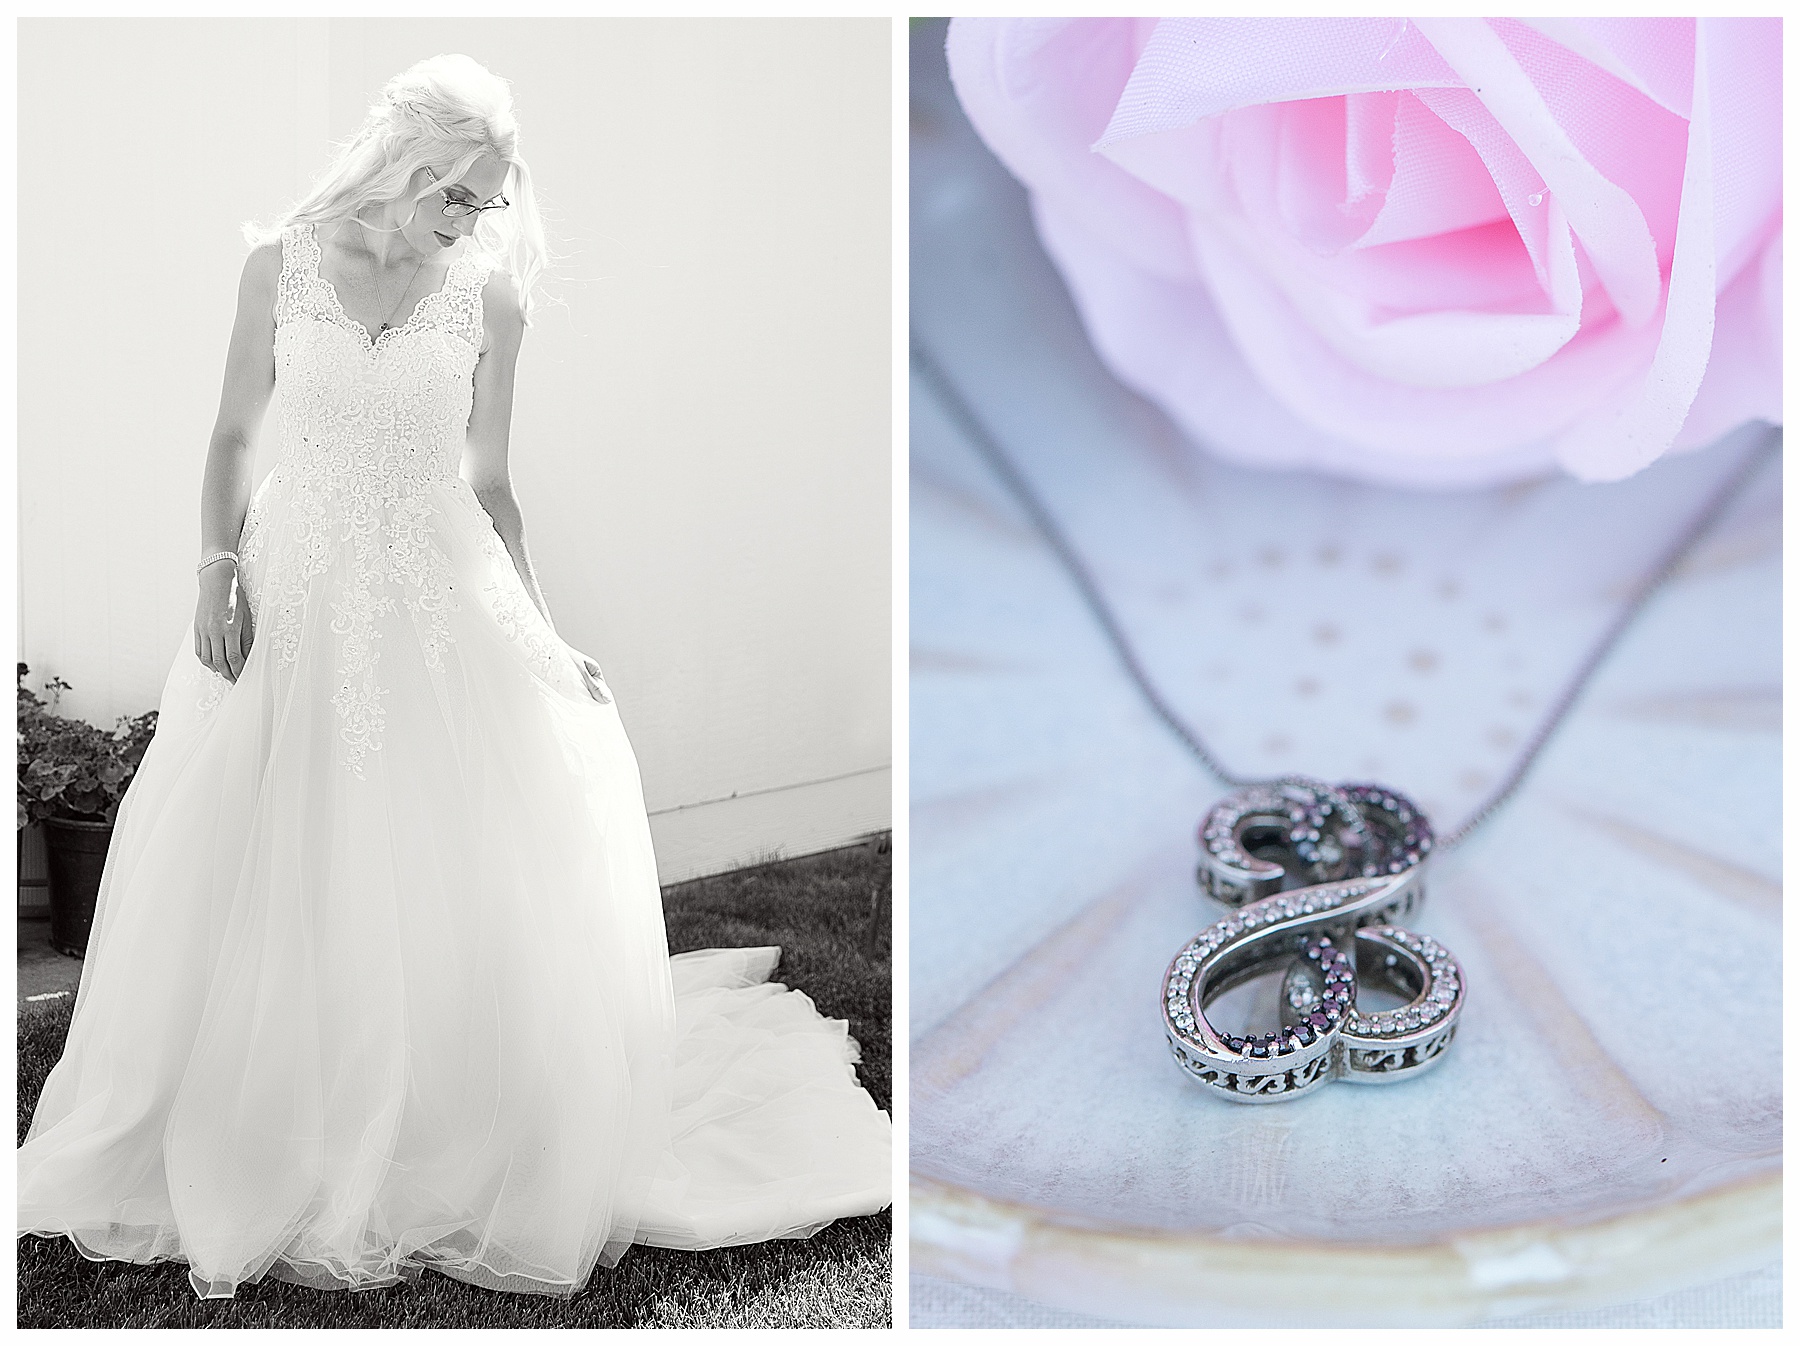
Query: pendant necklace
x: 1320, y: 875
x: 405, y: 290
x: 403, y: 293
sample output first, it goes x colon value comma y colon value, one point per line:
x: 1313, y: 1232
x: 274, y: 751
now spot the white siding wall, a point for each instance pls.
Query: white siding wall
x: 701, y: 440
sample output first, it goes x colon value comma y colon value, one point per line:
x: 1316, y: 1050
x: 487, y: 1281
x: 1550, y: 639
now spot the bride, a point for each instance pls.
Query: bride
x: 378, y: 980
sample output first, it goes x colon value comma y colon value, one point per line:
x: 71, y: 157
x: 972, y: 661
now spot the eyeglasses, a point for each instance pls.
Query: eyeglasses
x: 457, y: 209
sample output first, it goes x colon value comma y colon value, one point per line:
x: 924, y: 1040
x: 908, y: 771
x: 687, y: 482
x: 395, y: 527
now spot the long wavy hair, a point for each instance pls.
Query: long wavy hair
x: 443, y: 114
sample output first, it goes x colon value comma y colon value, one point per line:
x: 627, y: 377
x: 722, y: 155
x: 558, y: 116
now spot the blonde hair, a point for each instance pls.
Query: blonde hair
x: 443, y: 114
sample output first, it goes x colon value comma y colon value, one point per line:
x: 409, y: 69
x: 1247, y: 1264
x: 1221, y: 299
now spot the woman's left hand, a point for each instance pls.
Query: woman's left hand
x: 591, y: 677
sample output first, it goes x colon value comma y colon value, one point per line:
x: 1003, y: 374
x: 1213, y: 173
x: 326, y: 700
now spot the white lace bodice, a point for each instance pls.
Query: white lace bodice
x: 371, y: 440
x: 373, y: 418
x: 375, y: 414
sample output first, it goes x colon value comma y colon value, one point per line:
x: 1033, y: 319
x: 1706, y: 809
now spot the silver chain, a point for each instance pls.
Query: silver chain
x: 1088, y: 588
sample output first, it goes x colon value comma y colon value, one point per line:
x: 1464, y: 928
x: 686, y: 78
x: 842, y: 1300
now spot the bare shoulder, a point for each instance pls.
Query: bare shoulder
x: 257, y: 287
x: 262, y: 268
x: 504, y: 324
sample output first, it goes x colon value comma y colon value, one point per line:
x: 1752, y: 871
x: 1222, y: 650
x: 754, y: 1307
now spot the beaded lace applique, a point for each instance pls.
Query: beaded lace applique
x: 368, y: 428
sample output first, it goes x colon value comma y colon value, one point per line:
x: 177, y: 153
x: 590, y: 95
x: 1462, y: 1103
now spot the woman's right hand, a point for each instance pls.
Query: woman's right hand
x: 222, y: 626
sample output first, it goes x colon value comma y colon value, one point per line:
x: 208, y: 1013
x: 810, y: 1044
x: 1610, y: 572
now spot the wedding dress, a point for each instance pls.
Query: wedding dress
x: 379, y: 979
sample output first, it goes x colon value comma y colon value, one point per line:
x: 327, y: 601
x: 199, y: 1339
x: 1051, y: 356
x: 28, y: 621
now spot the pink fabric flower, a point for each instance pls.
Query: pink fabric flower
x: 1427, y: 251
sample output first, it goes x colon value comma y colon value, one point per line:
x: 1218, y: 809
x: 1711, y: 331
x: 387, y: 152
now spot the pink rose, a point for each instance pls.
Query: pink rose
x: 1427, y: 251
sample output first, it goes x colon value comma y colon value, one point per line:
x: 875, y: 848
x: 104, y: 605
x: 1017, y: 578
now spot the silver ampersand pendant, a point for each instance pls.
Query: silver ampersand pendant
x: 1320, y: 875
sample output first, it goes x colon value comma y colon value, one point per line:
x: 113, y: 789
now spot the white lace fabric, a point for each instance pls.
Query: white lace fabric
x: 378, y: 980
x: 347, y: 525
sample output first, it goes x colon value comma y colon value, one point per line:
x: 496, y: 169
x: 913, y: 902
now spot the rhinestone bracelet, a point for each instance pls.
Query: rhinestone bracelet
x: 216, y: 556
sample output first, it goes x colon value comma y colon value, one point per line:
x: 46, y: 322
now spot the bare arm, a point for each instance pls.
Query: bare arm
x: 222, y: 631
x: 489, y: 440
x: 490, y: 427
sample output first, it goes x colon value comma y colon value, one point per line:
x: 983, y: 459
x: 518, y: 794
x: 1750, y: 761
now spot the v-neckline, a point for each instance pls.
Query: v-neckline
x: 371, y: 340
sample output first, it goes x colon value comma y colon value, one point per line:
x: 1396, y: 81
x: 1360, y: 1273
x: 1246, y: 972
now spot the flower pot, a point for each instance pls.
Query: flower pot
x: 34, y: 884
x: 77, y: 855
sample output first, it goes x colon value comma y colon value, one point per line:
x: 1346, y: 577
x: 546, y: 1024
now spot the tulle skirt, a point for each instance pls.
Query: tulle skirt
x: 379, y: 979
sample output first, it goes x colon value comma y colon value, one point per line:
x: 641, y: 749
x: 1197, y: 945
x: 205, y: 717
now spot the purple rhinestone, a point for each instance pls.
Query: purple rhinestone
x: 1236, y: 1044
x: 1259, y: 1049
x: 1318, y: 1021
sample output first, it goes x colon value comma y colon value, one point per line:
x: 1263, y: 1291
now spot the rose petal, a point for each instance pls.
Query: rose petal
x: 1743, y: 375
x: 1166, y: 341
x: 1521, y: 188
x: 1439, y: 184
x: 1167, y: 344
x: 1629, y: 139
x: 1617, y: 440
x: 1040, y: 96
x: 1369, y: 148
x: 1196, y: 68
x: 1745, y: 58
x: 1604, y: 217
x: 1653, y: 56
x: 1342, y: 299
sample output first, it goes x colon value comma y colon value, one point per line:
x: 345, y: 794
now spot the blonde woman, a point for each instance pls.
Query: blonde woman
x: 379, y: 980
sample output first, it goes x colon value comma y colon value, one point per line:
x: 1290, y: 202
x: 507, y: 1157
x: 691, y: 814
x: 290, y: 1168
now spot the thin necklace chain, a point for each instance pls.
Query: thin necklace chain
x: 1089, y: 589
x: 374, y: 288
x: 410, y: 280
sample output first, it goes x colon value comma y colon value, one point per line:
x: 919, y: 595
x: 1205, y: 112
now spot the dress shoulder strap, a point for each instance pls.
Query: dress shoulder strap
x: 480, y: 266
x: 462, y: 295
x: 299, y: 268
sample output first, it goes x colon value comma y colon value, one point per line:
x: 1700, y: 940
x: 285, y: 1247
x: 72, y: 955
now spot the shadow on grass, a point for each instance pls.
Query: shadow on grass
x: 818, y: 910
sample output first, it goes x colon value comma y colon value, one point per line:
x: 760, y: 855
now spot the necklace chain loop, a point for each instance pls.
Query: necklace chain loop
x: 1088, y: 588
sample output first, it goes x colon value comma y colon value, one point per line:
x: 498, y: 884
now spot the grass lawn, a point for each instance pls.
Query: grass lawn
x: 818, y: 910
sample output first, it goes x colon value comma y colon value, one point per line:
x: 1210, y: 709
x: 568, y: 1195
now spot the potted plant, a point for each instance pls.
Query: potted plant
x: 72, y: 775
